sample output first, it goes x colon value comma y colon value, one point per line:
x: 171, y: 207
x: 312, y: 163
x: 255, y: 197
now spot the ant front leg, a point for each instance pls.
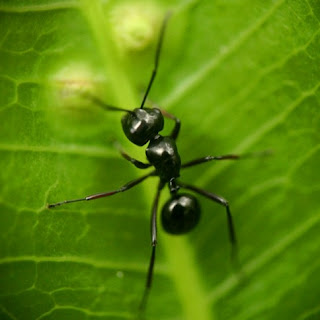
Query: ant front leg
x: 135, y: 162
x: 224, y: 202
x: 138, y: 164
x: 175, y: 132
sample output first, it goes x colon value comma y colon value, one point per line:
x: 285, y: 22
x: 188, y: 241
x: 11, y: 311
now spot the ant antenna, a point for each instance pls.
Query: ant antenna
x: 156, y: 61
x: 101, y: 104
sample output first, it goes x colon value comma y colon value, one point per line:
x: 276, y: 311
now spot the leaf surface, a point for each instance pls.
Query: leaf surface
x: 243, y: 76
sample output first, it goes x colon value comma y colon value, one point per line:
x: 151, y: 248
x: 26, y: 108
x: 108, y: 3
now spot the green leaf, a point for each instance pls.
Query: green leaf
x: 243, y: 76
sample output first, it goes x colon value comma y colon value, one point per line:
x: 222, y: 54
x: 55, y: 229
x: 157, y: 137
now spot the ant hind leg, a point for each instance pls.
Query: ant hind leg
x: 224, y: 202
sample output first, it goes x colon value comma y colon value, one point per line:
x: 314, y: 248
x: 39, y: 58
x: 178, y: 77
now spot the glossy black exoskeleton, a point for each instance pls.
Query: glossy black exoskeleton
x: 142, y: 125
x: 181, y: 213
x: 162, y: 153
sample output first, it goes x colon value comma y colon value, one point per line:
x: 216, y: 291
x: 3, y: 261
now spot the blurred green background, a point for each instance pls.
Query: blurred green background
x: 242, y: 75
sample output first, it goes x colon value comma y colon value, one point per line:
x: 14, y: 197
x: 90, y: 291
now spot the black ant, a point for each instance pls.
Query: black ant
x: 181, y: 213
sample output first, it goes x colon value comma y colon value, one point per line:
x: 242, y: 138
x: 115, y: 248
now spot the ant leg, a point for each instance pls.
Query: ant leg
x: 209, y: 158
x: 153, y: 252
x: 125, y: 187
x: 226, y: 157
x: 156, y: 60
x: 176, y: 129
x: 135, y: 162
x: 175, y: 132
x: 224, y: 202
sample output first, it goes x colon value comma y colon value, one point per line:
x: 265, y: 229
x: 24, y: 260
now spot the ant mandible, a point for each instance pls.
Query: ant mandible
x: 181, y: 213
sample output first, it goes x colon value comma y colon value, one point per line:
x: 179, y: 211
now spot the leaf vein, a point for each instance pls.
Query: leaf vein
x: 141, y: 268
x: 95, y: 152
x: 254, y: 265
x: 193, y: 80
x: 88, y: 312
x: 250, y: 87
x: 258, y: 134
x: 40, y: 7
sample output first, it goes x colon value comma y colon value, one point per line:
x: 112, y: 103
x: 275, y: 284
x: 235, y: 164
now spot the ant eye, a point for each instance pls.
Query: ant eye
x: 141, y: 125
x: 180, y: 214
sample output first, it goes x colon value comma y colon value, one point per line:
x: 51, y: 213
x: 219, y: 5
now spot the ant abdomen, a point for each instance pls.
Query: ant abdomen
x: 142, y: 125
x: 180, y: 214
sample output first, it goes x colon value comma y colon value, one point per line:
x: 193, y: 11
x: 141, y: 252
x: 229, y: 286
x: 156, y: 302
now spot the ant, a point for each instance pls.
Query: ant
x: 181, y: 213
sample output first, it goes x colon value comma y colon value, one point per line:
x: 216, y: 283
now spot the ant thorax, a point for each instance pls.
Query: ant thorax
x: 163, y: 154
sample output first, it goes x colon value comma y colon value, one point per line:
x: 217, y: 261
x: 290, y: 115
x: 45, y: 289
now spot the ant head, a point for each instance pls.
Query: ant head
x: 180, y: 214
x: 141, y: 125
